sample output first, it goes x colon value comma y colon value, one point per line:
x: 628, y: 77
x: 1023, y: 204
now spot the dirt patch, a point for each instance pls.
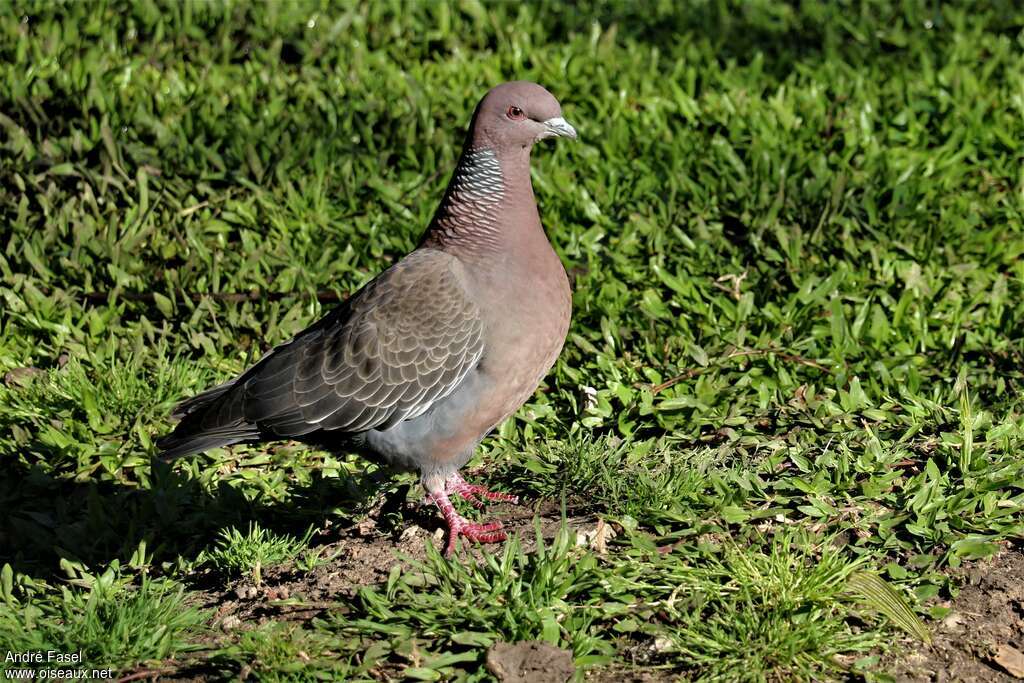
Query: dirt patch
x: 364, y: 555
x: 983, y: 637
x: 530, y: 661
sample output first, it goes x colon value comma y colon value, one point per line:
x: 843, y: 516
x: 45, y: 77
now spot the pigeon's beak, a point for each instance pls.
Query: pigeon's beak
x: 558, y: 127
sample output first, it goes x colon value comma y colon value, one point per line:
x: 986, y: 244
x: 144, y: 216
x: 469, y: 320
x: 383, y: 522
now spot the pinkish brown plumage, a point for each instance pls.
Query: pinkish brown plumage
x: 419, y: 365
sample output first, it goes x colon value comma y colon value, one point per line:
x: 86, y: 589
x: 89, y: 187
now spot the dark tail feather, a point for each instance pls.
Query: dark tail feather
x: 201, y: 400
x: 208, y: 420
x: 176, y: 445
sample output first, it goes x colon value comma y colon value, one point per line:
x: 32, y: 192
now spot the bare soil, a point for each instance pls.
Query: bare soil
x: 363, y: 556
x: 982, y: 638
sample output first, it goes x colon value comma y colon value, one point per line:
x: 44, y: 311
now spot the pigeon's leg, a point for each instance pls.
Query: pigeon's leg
x: 460, y: 526
x: 455, y: 484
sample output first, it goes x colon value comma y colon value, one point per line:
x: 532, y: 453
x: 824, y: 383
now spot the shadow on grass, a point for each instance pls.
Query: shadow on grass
x: 49, y: 518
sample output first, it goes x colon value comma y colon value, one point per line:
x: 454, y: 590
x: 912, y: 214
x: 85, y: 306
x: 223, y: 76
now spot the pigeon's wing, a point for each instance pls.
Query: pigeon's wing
x: 402, y: 343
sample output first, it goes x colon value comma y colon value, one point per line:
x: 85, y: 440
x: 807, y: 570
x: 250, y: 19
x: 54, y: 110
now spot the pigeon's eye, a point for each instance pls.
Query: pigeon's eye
x: 515, y: 113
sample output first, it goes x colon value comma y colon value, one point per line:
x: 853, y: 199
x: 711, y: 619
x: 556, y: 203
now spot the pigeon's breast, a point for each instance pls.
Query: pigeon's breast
x: 526, y: 330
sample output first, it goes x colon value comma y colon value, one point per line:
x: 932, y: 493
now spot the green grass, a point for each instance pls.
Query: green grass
x: 239, y: 554
x: 796, y: 359
x: 783, y: 611
x: 107, y: 620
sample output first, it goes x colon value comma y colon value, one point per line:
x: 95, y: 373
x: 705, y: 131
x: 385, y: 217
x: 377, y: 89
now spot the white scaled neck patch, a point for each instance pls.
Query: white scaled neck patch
x: 478, y: 178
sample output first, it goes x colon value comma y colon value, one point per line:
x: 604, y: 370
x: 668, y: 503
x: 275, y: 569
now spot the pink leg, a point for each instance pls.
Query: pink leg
x: 460, y: 526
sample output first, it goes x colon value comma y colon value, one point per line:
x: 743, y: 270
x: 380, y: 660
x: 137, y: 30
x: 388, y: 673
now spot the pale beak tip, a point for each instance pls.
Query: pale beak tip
x: 560, y: 127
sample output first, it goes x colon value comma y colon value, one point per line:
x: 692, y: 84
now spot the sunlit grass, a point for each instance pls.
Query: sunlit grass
x: 795, y: 239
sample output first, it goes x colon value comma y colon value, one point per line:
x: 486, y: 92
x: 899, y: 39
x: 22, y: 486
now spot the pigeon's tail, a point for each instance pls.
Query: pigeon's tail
x: 201, y: 400
x: 209, y: 420
x: 174, y: 446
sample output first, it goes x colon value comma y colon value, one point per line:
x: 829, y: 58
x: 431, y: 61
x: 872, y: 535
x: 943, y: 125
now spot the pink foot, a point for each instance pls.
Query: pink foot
x: 491, y: 532
x: 460, y: 487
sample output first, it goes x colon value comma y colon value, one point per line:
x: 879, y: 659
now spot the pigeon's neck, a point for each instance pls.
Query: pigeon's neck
x: 489, y: 201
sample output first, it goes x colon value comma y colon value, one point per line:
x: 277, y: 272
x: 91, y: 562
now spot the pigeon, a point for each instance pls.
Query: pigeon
x: 417, y: 367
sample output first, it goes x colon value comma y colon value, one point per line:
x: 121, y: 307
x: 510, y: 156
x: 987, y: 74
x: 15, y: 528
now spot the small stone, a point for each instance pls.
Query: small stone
x: 22, y: 377
x: 530, y: 661
x: 230, y: 623
x: 1010, y: 660
x: 952, y: 622
x: 246, y: 592
x: 278, y: 593
x: 662, y: 644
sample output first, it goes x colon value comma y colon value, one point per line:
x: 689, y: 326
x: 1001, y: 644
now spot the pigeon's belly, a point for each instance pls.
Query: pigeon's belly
x: 442, y: 439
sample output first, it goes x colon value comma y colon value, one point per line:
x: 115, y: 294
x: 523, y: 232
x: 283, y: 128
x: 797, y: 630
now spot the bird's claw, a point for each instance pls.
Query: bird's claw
x: 462, y: 488
x: 487, y: 532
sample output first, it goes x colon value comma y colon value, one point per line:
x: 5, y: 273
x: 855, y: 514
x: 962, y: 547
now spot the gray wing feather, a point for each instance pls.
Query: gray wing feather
x: 394, y: 349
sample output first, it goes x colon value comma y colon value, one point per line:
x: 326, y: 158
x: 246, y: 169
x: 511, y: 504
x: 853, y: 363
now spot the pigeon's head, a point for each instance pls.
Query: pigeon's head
x: 518, y: 114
